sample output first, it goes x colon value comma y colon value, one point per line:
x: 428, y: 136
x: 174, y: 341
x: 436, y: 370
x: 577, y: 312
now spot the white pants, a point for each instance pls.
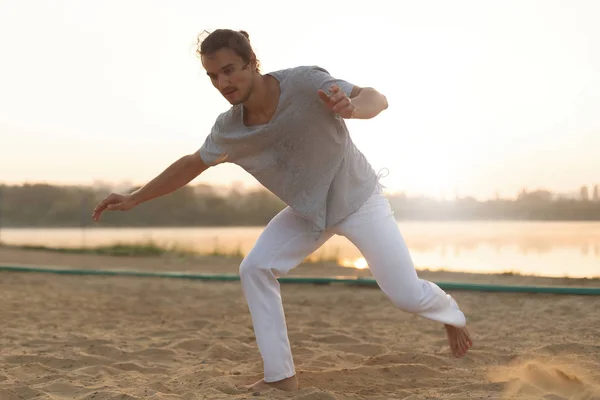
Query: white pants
x: 288, y: 239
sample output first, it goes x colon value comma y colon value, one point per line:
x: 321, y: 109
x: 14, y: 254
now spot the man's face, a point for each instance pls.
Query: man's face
x: 229, y: 74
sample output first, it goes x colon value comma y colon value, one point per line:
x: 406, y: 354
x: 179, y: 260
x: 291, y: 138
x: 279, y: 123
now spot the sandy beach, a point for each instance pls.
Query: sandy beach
x: 85, y: 337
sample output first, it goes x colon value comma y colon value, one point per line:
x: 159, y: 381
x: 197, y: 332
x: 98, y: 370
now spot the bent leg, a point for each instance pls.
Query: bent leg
x: 374, y: 231
x: 286, y: 241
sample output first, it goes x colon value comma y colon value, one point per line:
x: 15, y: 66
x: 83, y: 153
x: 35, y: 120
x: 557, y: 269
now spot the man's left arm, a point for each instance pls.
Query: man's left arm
x: 367, y: 102
x: 363, y: 103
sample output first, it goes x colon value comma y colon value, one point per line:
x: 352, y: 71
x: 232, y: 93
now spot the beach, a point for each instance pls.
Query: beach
x: 102, y: 337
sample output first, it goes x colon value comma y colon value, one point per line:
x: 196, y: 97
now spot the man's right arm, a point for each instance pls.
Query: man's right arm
x: 177, y: 175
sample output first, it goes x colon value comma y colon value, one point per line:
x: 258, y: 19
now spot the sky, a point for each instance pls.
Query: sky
x: 484, y: 97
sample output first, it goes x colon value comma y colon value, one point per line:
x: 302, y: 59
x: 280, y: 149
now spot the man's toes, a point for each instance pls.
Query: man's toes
x: 455, y: 345
x: 257, y: 385
x: 465, y: 341
x: 460, y: 350
x: 464, y: 349
x: 459, y: 340
x: 451, y: 338
x: 456, y: 352
x: 467, y: 338
x: 470, y: 341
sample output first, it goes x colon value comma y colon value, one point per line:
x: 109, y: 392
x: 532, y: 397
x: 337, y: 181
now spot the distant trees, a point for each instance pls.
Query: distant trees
x: 43, y: 205
x: 67, y: 206
x: 583, y: 193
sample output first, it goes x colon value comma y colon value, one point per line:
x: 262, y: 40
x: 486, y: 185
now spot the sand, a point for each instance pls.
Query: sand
x: 81, y: 337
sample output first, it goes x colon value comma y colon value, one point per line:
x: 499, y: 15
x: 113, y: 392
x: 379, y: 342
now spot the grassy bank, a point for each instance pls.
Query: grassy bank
x: 140, y: 249
x: 153, y: 249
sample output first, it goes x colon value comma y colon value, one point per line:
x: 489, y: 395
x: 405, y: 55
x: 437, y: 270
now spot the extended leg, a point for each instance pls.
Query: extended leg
x: 374, y: 231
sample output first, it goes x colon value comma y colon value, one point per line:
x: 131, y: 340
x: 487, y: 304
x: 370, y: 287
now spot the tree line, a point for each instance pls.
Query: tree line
x: 42, y: 205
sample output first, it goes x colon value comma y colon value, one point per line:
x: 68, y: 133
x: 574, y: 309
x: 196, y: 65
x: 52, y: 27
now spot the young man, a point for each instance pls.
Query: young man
x: 287, y: 129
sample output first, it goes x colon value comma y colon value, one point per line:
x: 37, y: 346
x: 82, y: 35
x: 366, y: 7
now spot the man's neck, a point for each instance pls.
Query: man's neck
x: 261, y: 100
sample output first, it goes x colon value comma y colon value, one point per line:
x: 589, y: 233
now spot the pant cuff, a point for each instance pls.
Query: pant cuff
x: 280, y: 377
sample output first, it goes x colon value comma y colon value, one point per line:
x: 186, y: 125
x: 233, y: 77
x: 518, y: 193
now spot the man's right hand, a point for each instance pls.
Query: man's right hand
x: 114, y: 202
x: 177, y: 175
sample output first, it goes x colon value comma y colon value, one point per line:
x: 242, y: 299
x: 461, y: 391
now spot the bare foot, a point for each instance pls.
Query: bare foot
x: 284, y: 384
x: 459, y: 340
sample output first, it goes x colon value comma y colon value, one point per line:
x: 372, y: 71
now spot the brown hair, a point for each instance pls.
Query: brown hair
x: 238, y: 41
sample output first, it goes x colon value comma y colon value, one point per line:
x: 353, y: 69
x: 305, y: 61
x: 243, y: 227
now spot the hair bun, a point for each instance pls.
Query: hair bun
x: 245, y: 34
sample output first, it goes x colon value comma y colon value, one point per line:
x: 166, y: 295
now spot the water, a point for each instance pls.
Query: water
x: 558, y: 249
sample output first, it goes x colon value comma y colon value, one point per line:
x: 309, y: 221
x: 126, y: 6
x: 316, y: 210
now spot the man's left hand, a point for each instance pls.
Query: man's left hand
x: 337, y: 102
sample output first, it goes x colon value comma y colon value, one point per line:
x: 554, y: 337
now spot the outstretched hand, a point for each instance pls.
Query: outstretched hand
x: 337, y: 102
x: 113, y: 202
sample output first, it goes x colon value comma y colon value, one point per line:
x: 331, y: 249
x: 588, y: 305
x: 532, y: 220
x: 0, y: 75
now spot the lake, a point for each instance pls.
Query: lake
x: 557, y: 249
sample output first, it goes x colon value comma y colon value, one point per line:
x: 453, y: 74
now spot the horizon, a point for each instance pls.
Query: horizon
x: 484, y: 98
x: 574, y: 193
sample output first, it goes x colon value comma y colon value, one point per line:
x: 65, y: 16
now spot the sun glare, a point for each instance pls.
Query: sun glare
x: 361, y: 263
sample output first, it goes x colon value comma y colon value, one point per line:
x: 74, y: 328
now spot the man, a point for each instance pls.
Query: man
x: 287, y: 129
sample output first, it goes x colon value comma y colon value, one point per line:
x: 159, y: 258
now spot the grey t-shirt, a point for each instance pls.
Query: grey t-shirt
x: 304, y: 155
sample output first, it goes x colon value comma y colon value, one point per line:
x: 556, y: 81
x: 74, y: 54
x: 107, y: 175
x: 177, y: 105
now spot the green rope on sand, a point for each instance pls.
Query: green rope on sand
x: 595, y: 291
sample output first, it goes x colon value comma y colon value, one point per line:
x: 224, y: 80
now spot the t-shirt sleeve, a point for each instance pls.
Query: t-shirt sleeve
x: 320, y: 78
x: 211, y: 152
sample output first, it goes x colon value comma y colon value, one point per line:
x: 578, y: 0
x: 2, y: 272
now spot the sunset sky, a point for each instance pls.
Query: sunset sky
x: 483, y: 96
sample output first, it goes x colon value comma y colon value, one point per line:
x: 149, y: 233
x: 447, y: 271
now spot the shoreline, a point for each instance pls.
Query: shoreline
x: 152, y: 260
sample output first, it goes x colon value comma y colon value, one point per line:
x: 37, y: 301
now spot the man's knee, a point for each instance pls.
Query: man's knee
x: 247, y: 266
x: 251, y: 265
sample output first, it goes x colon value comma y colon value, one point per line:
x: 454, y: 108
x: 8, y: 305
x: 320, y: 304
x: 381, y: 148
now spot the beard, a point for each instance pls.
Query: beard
x: 244, y: 97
